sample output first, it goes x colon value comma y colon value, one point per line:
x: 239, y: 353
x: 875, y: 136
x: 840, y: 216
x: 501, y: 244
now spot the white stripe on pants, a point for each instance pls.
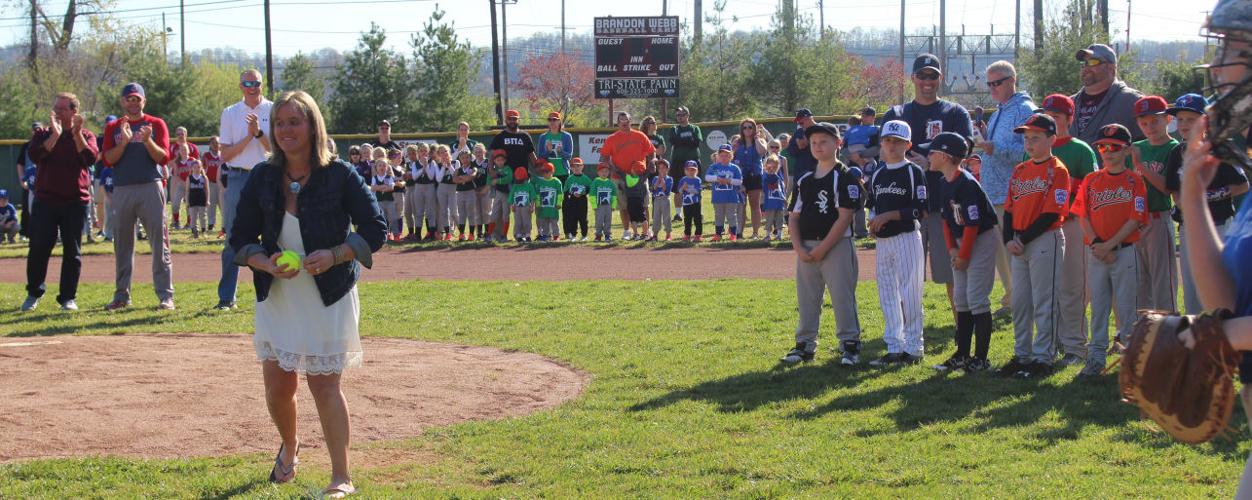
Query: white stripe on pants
x: 467, y: 208
x: 1190, y: 298
x: 1113, y: 287
x: 1034, y: 275
x: 899, y: 271
x: 1072, y: 300
x: 837, y: 272
x: 971, y: 288
x: 1157, y: 266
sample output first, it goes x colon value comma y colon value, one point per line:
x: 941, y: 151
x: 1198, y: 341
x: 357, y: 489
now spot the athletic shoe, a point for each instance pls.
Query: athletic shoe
x: 69, y: 305
x: 1011, y: 368
x: 651, y: 238
x: 460, y: 237
x: 626, y: 235
x: 117, y: 305
x: 888, y: 359
x: 733, y: 237
x: 597, y: 237
x: 543, y: 238
x: 716, y: 238
x: 977, y: 365
x: 166, y: 305
x: 1091, y: 370
x: 30, y: 304
x: 608, y: 238
x: 224, y: 306
x: 1035, y: 369
x: 697, y: 238
x: 447, y: 237
x: 954, y: 363
x: 470, y: 237
x: 802, y: 352
x: 686, y: 238
x: 1070, y: 360
x: 851, y: 353
x: 677, y: 218
x: 910, y: 359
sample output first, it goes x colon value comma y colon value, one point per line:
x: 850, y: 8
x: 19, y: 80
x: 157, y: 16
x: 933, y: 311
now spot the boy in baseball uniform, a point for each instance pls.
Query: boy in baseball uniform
x: 604, y: 202
x: 896, y: 199
x: 725, y: 177
x: 1112, y: 205
x: 1037, y: 202
x: 1158, y: 266
x: 689, y: 187
x: 969, y: 222
x: 821, y: 236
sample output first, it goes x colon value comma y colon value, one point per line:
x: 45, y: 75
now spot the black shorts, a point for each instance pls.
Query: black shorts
x: 636, y: 209
x: 752, y: 182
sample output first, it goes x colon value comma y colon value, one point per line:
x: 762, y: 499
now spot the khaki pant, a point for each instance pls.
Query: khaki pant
x: 144, y: 203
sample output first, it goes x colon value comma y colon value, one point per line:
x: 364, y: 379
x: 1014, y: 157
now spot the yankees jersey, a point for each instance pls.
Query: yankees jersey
x: 963, y: 204
x: 1037, y: 188
x: 775, y: 192
x: 690, y: 188
x: 819, y: 198
x: 1108, y: 200
x: 1221, y: 204
x: 724, y: 193
x: 897, y: 188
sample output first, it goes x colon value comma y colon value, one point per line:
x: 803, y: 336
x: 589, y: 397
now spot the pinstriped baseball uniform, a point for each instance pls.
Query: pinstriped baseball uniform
x: 820, y: 201
x: 900, y: 267
x: 1036, y: 189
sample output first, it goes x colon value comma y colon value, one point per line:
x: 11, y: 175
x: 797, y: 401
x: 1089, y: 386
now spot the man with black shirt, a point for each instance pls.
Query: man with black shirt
x: 927, y: 117
x: 518, y: 147
x: 1103, y: 99
x: 801, y: 159
x: 25, y: 173
x: 384, y: 137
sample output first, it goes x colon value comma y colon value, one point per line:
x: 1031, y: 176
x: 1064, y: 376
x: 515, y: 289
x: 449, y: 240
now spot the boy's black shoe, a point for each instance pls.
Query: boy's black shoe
x: 909, y: 359
x: 1035, y: 369
x: 802, y: 352
x: 1011, y: 368
x: 977, y: 365
x: 954, y: 363
x: 851, y: 353
x: 891, y: 358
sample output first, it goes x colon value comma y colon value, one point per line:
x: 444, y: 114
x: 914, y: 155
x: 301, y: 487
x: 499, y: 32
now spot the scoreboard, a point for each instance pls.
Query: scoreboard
x: 636, y: 57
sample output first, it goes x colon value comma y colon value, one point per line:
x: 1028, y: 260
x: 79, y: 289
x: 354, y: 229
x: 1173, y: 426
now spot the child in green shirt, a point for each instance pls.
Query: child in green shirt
x: 549, y: 195
x: 521, y: 197
x: 604, y: 199
x: 574, y: 207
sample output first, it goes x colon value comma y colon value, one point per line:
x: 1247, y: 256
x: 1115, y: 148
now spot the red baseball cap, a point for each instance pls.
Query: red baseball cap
x: 520, y: 174
x: 545, y: 167
x: 512, y: 113
x: 1150, y: 105
x: 1059, y: 103
x: 499, y: 152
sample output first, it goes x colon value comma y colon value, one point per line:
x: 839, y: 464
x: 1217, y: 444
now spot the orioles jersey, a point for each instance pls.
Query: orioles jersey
x: 1035, y: 189
x: 1108, y: 200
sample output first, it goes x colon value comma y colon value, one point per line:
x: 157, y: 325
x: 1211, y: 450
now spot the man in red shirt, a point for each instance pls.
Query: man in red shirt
x: 621, y: 150
x: 63, y: 154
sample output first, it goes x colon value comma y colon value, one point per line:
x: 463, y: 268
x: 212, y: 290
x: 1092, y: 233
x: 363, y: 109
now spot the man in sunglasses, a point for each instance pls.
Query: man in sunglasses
x: 928, y: 116
x: 684, y: 140
x: 1103, y: 99
x: 244, y: 138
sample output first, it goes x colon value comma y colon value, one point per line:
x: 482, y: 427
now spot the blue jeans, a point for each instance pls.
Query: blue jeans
x: 226, y: 287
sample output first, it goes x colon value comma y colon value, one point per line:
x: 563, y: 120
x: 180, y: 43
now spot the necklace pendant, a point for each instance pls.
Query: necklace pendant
x: 294, y: 187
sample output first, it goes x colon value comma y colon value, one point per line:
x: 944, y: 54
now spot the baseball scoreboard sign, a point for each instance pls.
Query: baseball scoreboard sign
x: 636, y: 57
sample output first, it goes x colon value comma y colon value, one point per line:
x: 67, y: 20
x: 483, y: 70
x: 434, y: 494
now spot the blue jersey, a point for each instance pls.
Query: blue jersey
x: 28, y: 175
x: 728, y: 192
x: 964, y: 203
x: 662, y: 186
x: 1235, y: 256
x: 8, y: 213
x: 748, y: 159
x: 774, y: 186
x: 690, y: 188
x: 861, y: 134
x: 106, y: 178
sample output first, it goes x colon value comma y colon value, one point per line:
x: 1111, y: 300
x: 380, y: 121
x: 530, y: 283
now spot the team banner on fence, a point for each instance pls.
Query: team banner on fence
x: 636, y: 57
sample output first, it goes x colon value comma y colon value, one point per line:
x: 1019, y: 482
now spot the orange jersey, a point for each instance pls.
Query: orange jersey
x: 1108, y: 200
x: 1036, y: 189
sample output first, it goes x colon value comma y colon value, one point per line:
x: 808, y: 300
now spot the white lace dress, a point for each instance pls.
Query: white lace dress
x: 294, y: 328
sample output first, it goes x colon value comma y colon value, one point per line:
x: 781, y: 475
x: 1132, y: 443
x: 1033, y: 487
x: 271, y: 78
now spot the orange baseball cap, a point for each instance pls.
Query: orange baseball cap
x: 555, y: 115
x: 512, y: 113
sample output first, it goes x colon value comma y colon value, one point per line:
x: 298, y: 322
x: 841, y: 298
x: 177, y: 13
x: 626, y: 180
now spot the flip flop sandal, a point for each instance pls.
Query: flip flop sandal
x: 340, y: 491
x: 287, y: 472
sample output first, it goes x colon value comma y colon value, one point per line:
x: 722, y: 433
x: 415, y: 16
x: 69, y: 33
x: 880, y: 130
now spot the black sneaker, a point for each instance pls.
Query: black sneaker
x: 1035, y: 369
x: 224, y: 306
x: 802, y: 352
x: 977, y: 365
x: 956, y: 362
x: 1070, y: 359
x: 1011, y: 368
x: 889, y: 359
x: 909, y: 359
x: 851, y: 353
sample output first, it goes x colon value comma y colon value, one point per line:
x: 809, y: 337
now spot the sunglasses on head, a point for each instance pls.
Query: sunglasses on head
x: 250, y: 84
x: 996, y: 83
x: 1109, y: 148
x: 1091, y: 62
x: 926, y: 76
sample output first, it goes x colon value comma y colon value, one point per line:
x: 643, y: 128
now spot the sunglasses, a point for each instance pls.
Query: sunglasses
x: 996, y: 83
x: 1109, y: 148
x: 550, y: 120
x: 926, y: 76
x: 248, y: 84
x: 748, y: 127
x: 1091, y: 62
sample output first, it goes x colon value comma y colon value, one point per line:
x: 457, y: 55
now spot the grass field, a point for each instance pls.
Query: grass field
x: 686, y: 401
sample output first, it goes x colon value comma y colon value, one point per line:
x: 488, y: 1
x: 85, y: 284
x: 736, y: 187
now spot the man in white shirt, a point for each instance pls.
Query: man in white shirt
x: 244, y: 135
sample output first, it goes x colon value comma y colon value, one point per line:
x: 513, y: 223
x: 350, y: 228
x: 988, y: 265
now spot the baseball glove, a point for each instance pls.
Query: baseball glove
x: 1189, y: 392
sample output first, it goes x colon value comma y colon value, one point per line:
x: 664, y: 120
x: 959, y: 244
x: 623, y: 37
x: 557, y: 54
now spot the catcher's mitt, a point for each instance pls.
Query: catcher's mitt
x: 1189, y: 392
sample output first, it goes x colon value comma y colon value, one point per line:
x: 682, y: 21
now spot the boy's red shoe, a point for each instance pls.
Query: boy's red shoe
x: 732, y: 237
x: 470, y: 237
x: 698, y: 238
x: 686, y: 238
x: 716, y: 237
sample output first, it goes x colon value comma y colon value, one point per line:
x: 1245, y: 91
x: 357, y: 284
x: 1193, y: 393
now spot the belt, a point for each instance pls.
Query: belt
x: 229, y: 168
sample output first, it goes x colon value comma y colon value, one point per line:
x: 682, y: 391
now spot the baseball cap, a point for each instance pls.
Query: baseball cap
x: 682, y: 110
x: 1114, y: 133
x: 464, y: 151
x: 1150, y: 105
x: 725, y: 147
x: 110, y: 119
x: 555, y: 115
x: 691, y: 164
x: 1188, y: 102
x: 638, y: 167
x: 132, y: 88
x: 1040, y: 122
x: 576, y: 161
x: 545, y: 167
x: 512, y: 113
x: 869, y: 110
x: 4, y: 193
x: 1059, y: 103
x: 384, y: 123
x: 499, y: 152
x: 898, y: 129
x: 35, y: 125
x: 602, y: 166
x: 823, y: 128
x: 520, y: 174
x: 803, y: 113
x: 926, y: 61
x: 1099, y: 51
x: 950, y: 143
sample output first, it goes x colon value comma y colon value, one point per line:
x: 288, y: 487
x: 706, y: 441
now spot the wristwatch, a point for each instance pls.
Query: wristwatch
x: 258, y: 134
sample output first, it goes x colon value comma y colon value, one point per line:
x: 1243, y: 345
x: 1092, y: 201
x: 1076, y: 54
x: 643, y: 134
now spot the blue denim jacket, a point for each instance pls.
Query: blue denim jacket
x: 333, y: 201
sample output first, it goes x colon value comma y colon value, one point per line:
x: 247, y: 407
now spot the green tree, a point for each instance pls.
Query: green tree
x: 716, y: 81
x: 299, y: 74
x: 1052, y: 68
x: 443, y: 67
x: 370, y: 85
x: 829, y: 77
x: 776, y: 75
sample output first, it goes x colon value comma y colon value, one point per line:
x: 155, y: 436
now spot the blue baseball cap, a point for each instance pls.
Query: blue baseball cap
x: 951, y: 143
x: 110, y: 119
x: 691, y: 164
x: 725, y: 147
x: 132, y: 88
x: 1188, y: 102
x: 4, y: 193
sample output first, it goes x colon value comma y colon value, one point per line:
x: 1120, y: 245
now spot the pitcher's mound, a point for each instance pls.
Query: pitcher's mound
x: 167, y: 396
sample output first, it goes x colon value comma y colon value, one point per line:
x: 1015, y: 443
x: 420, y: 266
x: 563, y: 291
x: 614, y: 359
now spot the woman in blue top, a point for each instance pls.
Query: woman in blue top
x: 752, y: 147
x: 1225, y: 263
x: 307, y: 201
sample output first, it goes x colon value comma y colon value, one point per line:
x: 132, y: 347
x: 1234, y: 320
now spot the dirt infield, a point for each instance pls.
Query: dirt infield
x: 168, y: 396
x: 555, y: 263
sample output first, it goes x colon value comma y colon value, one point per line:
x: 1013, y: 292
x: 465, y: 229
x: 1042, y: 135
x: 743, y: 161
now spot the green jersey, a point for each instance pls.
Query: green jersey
x: 578, y: 185
x: 522, y: 194
x: 504, y: 175
x: 1153, y: 158
x: 1078, y: 158
x: 603, y: 191
x: 549, y: 196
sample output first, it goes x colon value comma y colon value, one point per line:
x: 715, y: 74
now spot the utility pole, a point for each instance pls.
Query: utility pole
x: 1017, y: 29
x: 182, y: 31
x: 504, y: 45
x: 821, y: 16
x: 563, y: 26
x: 34, y: 34
x: 1127, y: 26
x: 902, y: 63
x: 165, y: 42
x: 1102, y: 7
x: 1038, y: 14
x: 495, y: 61
x: 698, y: 20
x: 943, y: 44
x: 269, y: 54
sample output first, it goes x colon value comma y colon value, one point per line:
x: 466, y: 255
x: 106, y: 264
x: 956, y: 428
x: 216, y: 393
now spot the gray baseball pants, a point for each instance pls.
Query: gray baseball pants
x: 1190, y: 298
x: 521, y: 221
x: 146, y: 203
x: 1157, y: 266
x: 662, y: 215
x: 837, y: 272
x: 604, y: 220
x: 1113, y: 287
x: 1035, y: 278
x: 971, y: 288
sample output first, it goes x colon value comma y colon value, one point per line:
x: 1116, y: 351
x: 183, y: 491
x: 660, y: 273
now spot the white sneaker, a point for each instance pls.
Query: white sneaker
x: 626, y: 235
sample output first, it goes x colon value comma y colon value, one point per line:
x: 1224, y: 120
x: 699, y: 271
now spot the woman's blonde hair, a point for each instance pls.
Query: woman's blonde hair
x: 319, y: 141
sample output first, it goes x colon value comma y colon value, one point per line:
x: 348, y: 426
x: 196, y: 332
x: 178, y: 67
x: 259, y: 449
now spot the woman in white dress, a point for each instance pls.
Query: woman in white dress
x: 307, y: 201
